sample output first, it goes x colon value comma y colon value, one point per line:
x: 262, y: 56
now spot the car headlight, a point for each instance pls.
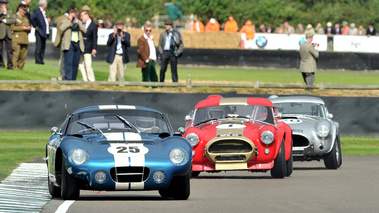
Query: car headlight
x: 267, y: 137
x: 178, y: 156
x: 193, y: 139
x: 323, y: 131
x: 79, y: 156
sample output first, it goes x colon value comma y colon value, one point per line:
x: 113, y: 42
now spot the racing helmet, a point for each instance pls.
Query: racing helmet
x: 216, y: 112
x: 145, y: 123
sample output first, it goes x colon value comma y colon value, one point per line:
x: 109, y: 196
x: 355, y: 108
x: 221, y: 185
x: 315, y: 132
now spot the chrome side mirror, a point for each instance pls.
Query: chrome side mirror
x: 188, y: 118
x: 330, y: 116
x: 181, y: 130
x: 54, y: 130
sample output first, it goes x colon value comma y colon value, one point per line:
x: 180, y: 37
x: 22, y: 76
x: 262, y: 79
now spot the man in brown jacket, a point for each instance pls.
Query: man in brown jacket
x: 147, y: 55
x: 20, y: 41
x: 308, y: 57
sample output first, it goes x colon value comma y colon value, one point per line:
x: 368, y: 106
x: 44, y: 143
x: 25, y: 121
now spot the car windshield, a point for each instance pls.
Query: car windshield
x: 117, y: 121
x: 250, y: 112
x: 311, y: 109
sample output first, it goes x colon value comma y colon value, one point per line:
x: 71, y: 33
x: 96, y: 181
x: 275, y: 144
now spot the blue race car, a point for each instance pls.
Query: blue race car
x: 116, y: 148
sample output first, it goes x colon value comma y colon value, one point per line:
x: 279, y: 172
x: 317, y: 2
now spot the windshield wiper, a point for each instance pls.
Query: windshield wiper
x: 127, y: 123
x: 90, y: 127
x: 206, y: 121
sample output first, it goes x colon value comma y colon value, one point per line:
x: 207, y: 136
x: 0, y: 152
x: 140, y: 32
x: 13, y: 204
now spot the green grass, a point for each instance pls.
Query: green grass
x: 280, y: 76
x: 19, y: 147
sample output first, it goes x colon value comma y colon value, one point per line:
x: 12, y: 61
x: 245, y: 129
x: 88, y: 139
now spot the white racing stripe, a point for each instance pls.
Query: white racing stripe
x: 127, y: 155
x: 64, y: 206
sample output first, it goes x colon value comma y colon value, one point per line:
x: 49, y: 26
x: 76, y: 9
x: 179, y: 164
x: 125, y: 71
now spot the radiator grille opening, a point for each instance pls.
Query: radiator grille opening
x: 230, y: 158
x: 299, y: 141
x: 230, y: 146
x: 129, y: 174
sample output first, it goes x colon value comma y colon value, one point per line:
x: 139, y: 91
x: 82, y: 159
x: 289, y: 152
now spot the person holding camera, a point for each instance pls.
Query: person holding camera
x: 20, y: 41
x: 308, y: 59
x: 72, y: 43
x: 6, y: 20
x: 39, y: 21
x: 118, y: 41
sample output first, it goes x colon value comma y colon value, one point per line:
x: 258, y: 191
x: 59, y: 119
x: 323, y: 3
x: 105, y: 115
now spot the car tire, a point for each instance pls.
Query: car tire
x: 53, y: 190
x: 289, y: 165
x: 179, y: 188
x: 279, y: 170
x: 69, y: 185
x: 340, y: 151
x: 332, y: 160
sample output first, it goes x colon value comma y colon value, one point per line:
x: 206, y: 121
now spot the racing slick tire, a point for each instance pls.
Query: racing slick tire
x: 179, y: 188
x: 69, y: 186
x: 279, y: 170
x: 332, y: 160
x: 289, y: 166
x: 53, y: 190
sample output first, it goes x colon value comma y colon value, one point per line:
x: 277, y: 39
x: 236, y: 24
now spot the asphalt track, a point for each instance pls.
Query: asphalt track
x: 311, y: 188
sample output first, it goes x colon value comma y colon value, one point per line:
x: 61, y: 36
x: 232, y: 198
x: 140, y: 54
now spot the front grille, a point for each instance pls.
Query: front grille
x: 230, y: 146
x: 230, y: 158
x: 129, y: 174
x: 300, y: 141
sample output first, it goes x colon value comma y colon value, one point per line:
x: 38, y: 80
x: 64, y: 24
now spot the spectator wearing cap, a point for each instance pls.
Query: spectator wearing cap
x: 170, y: 47
x: 6, y: 20
x: 41, y: 24
x: 20, y: 41
x: 308, y: 58
x: 118, y: 41
x: 371, y: 31
x: 329, y: 30
x: 309, y: 28
x: 90, y: 45
x: 353, y: 30
x: 72, y: 43
x: 247, y: 33
x: 212, y: 26
x: 25, y: 2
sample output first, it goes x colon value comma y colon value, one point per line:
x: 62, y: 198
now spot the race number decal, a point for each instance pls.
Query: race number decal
x: 129, y: 150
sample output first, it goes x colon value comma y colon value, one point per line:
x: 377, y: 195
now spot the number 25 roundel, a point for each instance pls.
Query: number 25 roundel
x: 128, y: 149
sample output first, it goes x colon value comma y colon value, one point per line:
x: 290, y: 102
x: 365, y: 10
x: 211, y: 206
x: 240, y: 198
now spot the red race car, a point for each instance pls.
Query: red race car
x: 238, y: 134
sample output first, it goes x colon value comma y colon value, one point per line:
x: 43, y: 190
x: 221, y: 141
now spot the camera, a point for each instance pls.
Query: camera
x: 118, y: 31
x: 73, y: 18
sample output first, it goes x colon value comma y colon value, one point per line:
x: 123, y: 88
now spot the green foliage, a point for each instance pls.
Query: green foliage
x: 361, y: 12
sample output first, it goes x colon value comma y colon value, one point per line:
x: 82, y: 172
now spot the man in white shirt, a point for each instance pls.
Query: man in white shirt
x: 147, y: 55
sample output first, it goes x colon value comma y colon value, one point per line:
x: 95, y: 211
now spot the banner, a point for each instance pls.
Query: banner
x: 345, y: 43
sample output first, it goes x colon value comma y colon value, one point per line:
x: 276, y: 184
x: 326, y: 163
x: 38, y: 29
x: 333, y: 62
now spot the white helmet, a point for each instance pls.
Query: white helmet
x: 145, y: 124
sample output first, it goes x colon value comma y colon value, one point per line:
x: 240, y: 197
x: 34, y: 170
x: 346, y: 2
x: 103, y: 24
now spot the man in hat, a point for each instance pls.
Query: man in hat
x: 20, y: 41
x: 40, y: 22
x: 170, y: 47
x: 6, y: 20
x: 308, y: 57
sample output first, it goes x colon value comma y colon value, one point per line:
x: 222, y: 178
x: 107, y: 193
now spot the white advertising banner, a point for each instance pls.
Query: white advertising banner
x: 344, y: 43
x: 273, y: 41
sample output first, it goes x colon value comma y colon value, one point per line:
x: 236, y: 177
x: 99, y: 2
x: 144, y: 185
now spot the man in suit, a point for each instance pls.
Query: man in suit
x: 90, y: 46
x: 308, y: 59
x: 118, y: 41
x: 72, y: 43
x: 147, y: 55
x: 6, y: 20
x: 170, y: 47
x: 57, y: 43
x: 20, y: 41
x: 39, y: 21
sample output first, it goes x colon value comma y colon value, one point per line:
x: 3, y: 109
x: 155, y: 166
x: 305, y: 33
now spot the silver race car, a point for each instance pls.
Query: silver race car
x: 315, y: 135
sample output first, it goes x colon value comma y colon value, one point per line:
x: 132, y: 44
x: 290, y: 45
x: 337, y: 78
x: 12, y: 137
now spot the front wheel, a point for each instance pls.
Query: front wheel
x: 69, y: 187
x: 289, y: 165
x: 279, y: 169
x: 332, y: 160
x: 179, y: 188
x: 53, y: 190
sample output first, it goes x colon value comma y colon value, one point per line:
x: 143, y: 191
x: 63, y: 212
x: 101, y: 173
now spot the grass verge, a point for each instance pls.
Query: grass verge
x: 20, y: 147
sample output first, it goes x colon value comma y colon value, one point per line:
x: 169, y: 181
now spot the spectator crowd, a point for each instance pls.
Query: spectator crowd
x: 77, y: 38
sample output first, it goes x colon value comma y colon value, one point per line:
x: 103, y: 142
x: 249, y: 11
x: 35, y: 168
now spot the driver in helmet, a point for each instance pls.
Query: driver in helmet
x: 216, y: 112
x: 146, y: 124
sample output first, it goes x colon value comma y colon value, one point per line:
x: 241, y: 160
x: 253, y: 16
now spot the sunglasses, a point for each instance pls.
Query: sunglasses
x: 147, y: 30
